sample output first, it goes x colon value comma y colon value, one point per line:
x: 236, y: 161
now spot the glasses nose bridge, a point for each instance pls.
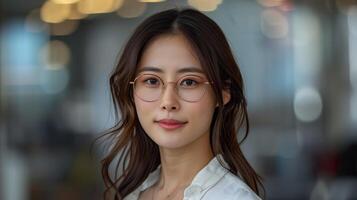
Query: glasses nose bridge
x: 165, y: 84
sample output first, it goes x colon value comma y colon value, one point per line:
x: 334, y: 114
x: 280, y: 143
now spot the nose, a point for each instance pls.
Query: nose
x: 169, y: 98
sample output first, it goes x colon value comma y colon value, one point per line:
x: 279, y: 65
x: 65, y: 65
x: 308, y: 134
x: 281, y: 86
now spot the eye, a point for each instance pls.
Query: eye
x: 149, y: 81
x: 189, y: 83
x: 152, y: 82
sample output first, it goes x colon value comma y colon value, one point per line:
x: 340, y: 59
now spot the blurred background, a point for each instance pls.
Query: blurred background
x: 299, y: 63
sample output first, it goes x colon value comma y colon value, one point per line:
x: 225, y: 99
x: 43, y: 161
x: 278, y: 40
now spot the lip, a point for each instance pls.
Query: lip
x: 170, y: 124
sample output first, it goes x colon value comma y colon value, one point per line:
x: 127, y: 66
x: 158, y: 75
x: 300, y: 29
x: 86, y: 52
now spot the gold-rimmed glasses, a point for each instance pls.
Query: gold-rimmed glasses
x: 150, y: 87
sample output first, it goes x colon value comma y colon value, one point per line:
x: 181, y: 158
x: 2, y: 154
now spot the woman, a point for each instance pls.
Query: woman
x: 180, y: 96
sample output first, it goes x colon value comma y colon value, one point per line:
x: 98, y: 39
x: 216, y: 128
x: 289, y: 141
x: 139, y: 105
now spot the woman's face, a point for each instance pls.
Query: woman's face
x: 170, y: 121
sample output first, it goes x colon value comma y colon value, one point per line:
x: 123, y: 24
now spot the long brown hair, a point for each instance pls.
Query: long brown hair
x: 134, y: 154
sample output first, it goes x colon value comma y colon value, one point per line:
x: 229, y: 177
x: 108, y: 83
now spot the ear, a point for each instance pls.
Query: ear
x: 226, y: 95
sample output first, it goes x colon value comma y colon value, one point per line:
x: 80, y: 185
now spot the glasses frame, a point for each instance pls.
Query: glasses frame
x: 165, y: 84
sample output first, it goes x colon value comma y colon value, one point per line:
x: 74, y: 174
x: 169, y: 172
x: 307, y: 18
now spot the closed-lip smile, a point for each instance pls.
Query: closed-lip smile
x: 170, y: 124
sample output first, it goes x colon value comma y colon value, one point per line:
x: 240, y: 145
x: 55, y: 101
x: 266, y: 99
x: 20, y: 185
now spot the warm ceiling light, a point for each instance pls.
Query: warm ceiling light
x: 65, y: 1
x: 99, y: 6
x: 205, y: 5
x: 54, y: 13
x: 151, y: 1
x: 75, y: 14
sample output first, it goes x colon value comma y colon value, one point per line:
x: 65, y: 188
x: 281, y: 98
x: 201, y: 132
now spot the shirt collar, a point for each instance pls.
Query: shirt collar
x: 205, y: 178
x: 210, y: 174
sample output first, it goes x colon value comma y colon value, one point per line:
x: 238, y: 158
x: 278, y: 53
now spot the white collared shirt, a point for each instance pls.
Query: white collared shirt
x: 210, y: 183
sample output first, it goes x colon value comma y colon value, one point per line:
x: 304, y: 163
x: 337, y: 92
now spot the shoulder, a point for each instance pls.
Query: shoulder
x: 231, y: 187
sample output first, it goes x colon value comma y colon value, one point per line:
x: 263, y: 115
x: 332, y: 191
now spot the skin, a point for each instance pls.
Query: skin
x: 186, y: 150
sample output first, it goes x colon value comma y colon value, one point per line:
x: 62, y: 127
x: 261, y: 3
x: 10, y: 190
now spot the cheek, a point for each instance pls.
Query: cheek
x: 202, y: 112
x: 146, y: 114
x: 142, y: 109
x: 208, y: 101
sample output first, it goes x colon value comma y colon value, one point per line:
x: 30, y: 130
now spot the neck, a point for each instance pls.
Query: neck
x: 179, y: 166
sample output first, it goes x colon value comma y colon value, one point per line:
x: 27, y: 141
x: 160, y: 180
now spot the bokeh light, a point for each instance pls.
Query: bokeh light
x: 274, y: 24
x: 151, y: 1
x: 307, y: 104
x: 99, y: 6
x: 54, y: 13
x: 65, y: 1
x: 55, y: 55
x: 75, y: 14
x: 205, y: 5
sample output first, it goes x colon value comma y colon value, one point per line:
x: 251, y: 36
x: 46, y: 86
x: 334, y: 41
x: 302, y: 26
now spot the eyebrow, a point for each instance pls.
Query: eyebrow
x: 180, y: 71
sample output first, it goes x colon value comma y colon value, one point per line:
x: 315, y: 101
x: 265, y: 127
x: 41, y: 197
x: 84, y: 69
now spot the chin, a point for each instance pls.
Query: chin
x: 172, y: 147
x: 172, y: 144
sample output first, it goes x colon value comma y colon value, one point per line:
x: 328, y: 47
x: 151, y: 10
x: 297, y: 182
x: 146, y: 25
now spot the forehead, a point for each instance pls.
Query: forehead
x: 169, y: 54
